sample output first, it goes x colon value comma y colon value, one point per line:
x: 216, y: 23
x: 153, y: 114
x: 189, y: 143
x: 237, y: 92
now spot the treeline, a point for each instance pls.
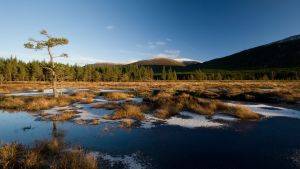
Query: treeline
x: 12, y: 69
x: 261, y: 74
x: 15, y: 70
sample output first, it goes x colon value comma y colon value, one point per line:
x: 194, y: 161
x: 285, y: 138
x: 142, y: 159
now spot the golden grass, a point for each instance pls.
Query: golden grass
x: 12, y: 103
x: 162, y: 113
x: 45, y: 154
x: 76, y: 159
x: 127, y: 123
x: 280, y: 91
x: 42, y: 103
x: 117, y: 96
x: 64, y: 116
x: 108, y: 106
x: 262, y: 91
x: 9, y: 155
x: 84, y: 97
x: 238, y: 111
x: 33, y: 103
x: 128, y: 111
x: 167, y: 106
x: 95, y: 122
x: 32, y: 159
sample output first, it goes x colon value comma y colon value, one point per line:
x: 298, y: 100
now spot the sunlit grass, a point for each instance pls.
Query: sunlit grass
x: 128, y: 111
x: 117, y: 96
x: 45, y: 154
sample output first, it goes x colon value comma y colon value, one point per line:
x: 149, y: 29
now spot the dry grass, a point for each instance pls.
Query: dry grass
x: 12, y: 103
x: 10, y: 154
x: 200, y: 106
x: 128, y: 111
x: 167, y: 106
x: 127, y: 123
x: 84, y: 97
x: 238, y: 111
x: 162, y: 113
x: 261, y: 91
x: 95, y: 122
x: 45, y: 154
x: 117, y: 96
x: 33, y: 103
x: 76, y: 159
x: 108, y: 106
x: 64, y: 116
x: 42, y: 103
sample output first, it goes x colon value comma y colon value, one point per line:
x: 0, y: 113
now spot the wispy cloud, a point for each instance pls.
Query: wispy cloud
x: 173, y: 52
x: 110, y: 27
x: 135, y: 53
x: 153, y: 45
x: 42, y: 56
x: 160, y: 43
x: 170, y: 54
x: 169, y: 39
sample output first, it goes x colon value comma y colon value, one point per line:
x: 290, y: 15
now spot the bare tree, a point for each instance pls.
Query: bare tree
x: 48, y: 43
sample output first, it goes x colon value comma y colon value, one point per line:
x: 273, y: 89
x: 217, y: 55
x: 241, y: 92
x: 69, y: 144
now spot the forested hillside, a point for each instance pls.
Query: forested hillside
x: 281, y: 54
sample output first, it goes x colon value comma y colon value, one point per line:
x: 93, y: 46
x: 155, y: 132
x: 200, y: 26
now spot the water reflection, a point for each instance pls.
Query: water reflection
x: 270, y: 143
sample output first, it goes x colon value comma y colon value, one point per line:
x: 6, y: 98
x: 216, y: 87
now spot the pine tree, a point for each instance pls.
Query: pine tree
x: 1, y: 78
x: 22, y: 73
x: 199, y: 75
x: 48, y: 44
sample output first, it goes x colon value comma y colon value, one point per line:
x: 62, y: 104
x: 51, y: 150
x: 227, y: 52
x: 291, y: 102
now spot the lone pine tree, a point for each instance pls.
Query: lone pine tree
x: 48, y: 44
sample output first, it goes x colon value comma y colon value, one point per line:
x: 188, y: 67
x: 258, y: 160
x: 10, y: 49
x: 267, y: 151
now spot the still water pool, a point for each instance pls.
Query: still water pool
x: 271, y: 143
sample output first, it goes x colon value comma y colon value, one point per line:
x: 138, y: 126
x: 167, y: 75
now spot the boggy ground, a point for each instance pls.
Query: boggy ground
x: 254, y: 91
x: 160, y: 104
x: 160, y: 99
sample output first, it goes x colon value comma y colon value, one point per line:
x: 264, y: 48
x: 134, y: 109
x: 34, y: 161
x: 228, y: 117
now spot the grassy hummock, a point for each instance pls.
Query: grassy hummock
x: 45, y: 154
x: 33, y: 103
x: 117, y: 95
x: 128, y: 111
x: 168, y: 105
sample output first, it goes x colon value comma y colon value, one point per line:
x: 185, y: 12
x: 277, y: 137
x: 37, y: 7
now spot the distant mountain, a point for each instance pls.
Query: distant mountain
x: 284, y: 53
x: 187, y: 61
x: 280, y: 54
x: 159, y: 62
x: 106, y: 64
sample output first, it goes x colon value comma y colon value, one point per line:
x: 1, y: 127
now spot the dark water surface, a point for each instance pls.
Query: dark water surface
x: 272, y: 143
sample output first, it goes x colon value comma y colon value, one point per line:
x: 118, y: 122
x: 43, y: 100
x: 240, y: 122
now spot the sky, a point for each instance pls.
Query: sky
x: 123, y: 31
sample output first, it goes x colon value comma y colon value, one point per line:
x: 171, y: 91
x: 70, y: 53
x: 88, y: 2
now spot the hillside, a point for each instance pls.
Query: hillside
x: 284, y: 53
x: 100, y: 64
x: 280, y: 54
x: 159, y: 62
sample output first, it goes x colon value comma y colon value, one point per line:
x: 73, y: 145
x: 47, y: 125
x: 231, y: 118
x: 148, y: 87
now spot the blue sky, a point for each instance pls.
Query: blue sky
x: 129, y: 30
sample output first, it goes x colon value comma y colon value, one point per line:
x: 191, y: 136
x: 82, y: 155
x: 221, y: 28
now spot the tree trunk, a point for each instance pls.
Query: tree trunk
x: 54, y: 83
x: 55, y: 94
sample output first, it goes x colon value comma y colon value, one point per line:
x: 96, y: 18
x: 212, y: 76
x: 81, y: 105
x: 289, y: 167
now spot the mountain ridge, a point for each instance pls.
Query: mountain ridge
x: 284, y: 53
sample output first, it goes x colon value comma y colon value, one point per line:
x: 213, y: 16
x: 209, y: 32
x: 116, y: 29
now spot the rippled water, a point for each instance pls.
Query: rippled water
x: 184, y: 141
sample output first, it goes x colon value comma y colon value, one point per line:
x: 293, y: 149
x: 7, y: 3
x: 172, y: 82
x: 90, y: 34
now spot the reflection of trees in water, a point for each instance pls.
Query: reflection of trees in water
x: 56, y: 133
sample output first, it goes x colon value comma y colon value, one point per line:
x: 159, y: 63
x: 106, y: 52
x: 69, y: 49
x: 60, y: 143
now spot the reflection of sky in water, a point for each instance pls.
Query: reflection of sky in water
x: 272, y: 111
x: 271, y: 143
